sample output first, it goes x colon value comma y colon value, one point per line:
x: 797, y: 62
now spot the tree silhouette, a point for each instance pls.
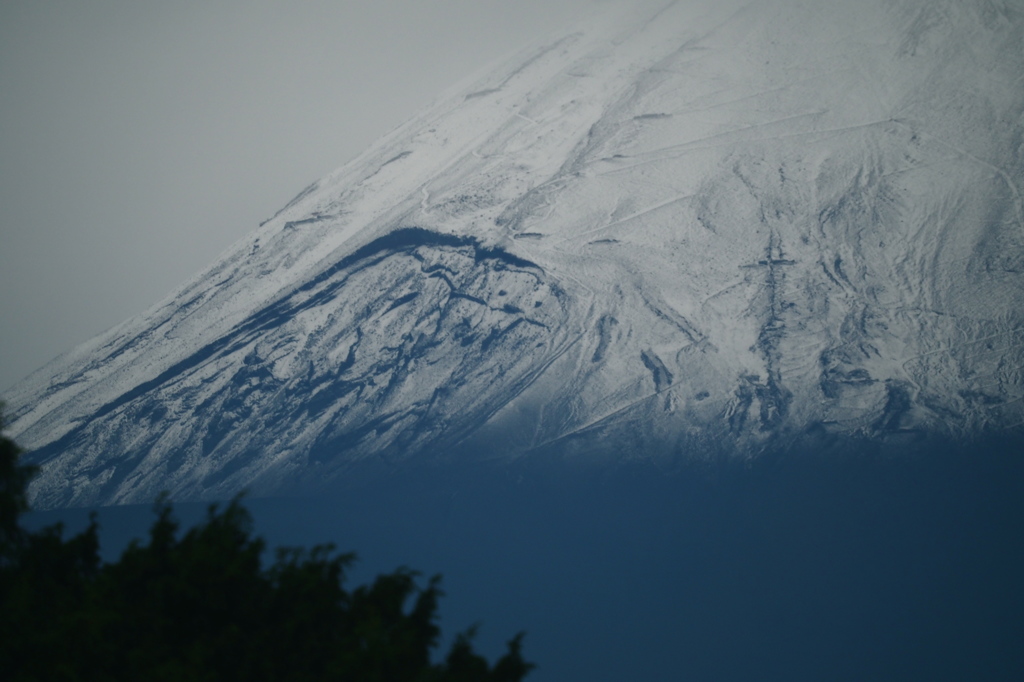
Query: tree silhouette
x: 199, y: 605
x: 14, y: 478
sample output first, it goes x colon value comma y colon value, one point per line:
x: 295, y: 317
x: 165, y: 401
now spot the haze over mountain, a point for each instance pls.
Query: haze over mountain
x: 678, y: 230
x: 174, y: 129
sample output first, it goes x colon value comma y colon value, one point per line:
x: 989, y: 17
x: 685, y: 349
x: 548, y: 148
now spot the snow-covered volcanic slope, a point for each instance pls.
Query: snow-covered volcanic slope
x: 680, y: 229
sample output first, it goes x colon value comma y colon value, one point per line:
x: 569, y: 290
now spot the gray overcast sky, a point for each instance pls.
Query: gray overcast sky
x: 139, y: 139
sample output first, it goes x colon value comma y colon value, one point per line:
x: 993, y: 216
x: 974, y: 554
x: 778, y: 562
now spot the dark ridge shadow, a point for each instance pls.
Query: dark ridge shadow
x: 284, y: 308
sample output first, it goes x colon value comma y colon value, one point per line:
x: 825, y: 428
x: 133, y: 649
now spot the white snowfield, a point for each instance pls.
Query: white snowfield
x: 682, y: 229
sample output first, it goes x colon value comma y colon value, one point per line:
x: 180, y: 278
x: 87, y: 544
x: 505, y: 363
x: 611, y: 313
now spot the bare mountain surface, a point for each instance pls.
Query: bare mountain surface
x: 678, y: 230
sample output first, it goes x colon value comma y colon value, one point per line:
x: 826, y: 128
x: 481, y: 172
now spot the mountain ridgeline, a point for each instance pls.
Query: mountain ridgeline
x: 677, y: 231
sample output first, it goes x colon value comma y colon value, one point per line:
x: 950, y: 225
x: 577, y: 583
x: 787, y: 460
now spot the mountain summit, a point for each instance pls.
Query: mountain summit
x: 683, y: 229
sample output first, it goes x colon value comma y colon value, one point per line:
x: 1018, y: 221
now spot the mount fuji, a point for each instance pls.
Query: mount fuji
x: 678, y: 230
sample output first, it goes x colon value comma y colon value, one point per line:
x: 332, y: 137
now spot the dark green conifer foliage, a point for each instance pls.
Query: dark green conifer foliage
x: 199, y: 606
x: 14, y: 478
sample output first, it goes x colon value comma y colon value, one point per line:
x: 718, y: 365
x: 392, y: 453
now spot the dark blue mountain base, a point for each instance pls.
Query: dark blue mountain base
x: 795, y: 566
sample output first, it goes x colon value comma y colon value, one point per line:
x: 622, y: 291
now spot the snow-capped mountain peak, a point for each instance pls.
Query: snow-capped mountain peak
x: 673, y: 230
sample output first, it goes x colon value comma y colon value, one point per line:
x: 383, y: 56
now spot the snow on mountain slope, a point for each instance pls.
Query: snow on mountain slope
x: 674, y: 230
